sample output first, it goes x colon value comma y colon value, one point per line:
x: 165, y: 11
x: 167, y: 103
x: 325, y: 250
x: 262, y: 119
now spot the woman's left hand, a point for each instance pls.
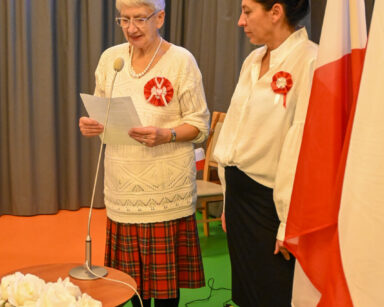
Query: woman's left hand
x: 280, y: 248
x: 150, y: 136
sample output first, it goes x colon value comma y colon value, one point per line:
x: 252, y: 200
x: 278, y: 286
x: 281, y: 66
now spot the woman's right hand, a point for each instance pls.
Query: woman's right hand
x: 223, y: 224
x: 90, y: 127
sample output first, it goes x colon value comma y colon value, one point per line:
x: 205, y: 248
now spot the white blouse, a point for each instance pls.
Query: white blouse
x: 260, y: 135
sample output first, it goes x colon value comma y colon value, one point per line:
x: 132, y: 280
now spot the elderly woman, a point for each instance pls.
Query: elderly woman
x: 258, y: 147
x: 149, y: 187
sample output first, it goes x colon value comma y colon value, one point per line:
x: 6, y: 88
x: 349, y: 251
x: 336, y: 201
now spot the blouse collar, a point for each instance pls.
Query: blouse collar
x: 281, y: 52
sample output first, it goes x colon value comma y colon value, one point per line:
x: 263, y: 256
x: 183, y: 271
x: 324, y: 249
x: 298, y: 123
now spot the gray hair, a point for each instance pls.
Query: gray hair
x: 156, y: 5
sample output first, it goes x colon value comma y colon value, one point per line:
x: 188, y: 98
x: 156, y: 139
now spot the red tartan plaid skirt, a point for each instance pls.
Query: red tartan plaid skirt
x: 161, y: 257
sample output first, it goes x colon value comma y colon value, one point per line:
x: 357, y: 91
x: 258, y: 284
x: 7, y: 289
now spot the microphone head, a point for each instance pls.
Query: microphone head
x: 118, y: 64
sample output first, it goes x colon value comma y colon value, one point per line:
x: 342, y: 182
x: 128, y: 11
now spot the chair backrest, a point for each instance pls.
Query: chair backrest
x: 216, y: 124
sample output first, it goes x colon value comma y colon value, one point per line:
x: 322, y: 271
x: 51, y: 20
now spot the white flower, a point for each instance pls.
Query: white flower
x: 70, y: 287
x: 87, y: 301
x: 30, y: 304
x: 25, y: 289
x: 56, y: 295
x: 6, y: 282
x: 31, y: 291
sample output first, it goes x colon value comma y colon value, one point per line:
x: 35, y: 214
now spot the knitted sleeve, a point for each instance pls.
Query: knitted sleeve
x: 193, y: 104
x: 100, y: 77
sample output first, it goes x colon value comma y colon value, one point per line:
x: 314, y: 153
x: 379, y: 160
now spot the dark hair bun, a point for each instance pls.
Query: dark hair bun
x: 295, y: 10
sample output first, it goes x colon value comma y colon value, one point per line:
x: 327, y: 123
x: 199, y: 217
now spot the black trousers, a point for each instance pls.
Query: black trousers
x: 259, y: 278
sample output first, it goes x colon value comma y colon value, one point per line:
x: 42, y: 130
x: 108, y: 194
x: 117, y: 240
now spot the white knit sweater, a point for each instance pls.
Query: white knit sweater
x: 144, y: 184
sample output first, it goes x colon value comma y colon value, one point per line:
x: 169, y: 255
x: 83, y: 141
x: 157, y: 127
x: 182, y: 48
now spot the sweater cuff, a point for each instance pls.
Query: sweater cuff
x: 200, y: 138
x: 281, y: 232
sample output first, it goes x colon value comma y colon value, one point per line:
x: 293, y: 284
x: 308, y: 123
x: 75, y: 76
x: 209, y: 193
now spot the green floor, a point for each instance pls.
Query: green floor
x: 217, y: 272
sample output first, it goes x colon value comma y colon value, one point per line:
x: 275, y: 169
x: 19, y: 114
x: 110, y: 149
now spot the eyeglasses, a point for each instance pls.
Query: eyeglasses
x: 125, y: 22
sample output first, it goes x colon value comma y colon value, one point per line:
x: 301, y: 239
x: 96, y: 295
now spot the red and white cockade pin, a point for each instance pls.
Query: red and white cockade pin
x: 281, y: 84
x: 158, y: 91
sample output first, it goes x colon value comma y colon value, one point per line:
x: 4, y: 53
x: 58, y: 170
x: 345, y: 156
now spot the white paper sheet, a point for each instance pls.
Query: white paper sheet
x: 122, y: 117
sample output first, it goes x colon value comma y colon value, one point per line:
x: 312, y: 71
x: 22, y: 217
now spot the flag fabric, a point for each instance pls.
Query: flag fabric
x: 199, y: 158
x: 312, y: 225
x: 361, y: 216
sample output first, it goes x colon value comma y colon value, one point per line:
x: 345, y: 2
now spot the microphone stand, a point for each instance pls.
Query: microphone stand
x: 88, y: 271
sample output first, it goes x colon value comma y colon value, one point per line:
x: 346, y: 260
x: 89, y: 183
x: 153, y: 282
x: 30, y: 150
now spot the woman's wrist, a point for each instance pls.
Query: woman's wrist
x: 172, y: 137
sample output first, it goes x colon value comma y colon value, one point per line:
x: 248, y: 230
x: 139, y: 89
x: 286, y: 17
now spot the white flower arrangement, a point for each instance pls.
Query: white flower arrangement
x: 31, y: 291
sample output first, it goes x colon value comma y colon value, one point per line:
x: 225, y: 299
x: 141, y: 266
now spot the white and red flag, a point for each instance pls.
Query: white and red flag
x: 199, y: 158
x: 312, y: 227
x: 361, y: 216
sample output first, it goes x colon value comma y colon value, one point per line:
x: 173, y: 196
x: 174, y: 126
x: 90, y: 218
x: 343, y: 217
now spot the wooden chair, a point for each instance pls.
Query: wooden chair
x: 208, y: 190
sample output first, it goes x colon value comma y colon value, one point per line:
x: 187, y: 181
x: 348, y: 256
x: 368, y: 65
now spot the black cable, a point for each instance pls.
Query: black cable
x: 210, y: 293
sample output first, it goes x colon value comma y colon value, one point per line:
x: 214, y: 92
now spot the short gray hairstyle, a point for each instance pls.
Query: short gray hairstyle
x: 156, y: 5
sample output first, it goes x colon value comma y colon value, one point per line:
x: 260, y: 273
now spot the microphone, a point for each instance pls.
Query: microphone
x: 88, y: 271
x: 118, y: 65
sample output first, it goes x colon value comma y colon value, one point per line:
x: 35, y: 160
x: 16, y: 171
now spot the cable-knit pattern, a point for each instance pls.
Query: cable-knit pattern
x: 143, y: 184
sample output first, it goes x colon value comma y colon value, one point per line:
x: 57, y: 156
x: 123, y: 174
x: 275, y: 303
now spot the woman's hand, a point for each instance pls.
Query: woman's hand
x: 150, y: 136
x: 90, y: 127
x: 280, y: 248
x: 223, y: 224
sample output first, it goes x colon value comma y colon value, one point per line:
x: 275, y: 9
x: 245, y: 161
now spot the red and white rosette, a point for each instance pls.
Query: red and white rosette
x: 158, y: 91
x: 281, y: 84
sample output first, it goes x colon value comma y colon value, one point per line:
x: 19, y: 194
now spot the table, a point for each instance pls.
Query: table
x: 108, y: 292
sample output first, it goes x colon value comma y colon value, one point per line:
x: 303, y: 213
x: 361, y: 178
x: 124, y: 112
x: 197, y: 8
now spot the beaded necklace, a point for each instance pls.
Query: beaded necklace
x: 139, y: 75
